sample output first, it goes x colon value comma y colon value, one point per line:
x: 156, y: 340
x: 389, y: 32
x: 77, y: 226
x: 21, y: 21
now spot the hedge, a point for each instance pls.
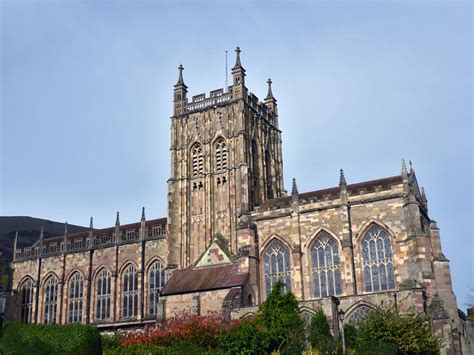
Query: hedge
x: 50, y: 339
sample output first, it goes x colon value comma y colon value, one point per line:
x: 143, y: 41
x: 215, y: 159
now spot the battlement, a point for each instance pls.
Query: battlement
x: 200, y: 102
x: 218, y: 98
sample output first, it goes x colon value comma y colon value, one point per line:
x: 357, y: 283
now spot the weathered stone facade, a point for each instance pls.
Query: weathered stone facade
x: 232, y: 231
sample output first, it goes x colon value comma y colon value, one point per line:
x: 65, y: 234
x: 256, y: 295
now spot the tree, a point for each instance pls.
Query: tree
x: 320, y: 333
x: 277, y: 326
x: 411, y: 333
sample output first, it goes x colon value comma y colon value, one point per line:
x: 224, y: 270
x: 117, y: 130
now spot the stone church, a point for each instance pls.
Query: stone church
x: 233, y: 230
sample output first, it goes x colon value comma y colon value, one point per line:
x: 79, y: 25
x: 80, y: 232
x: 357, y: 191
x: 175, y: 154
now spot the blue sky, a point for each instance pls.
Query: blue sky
x: 86, y: 91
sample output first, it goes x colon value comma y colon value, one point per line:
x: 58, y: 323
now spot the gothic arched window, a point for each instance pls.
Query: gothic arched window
x: 277, y: 266
x: 76, y: 287
x: 26, y: 299
x: 221, y: 155
x: 197, y: 160
x: 325, y: 266
x: 103, y: 294
x: 130, y: 292
x: 358, y: 315
x: 377, y: 260
x: 156, y: 279
x: 50, y: 300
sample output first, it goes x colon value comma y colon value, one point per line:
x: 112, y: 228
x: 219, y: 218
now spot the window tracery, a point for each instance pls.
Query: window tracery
x: 156, y: 277
x: 276, y: 266
x: 197, y: 160
x: 377, y: 259
x: 221, y: 155
x: 76, y: 287
x: 50, y: 300
x: 325, y: 266
x: 130, y: 292
x: 26, y: 299
x: 103, y: 294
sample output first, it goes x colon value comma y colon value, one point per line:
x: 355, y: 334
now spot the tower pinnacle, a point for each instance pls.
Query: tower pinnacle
x: 238, y: 64
x: 294, y: 188
x: 180, y: 81
x: 269, y: 93
x: 342, y: 179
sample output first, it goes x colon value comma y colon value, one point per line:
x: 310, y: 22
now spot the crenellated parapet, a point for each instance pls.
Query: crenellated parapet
x: 94, y: 239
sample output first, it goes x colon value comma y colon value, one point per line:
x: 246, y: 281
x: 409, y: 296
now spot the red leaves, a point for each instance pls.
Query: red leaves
x: 200, y: 330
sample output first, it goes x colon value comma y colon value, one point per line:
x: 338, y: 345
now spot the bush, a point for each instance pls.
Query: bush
x: 411, y: 333
x: 181, y: 348
x: 378, y: 348
x: 320, y: 333
x: 202, y: 331
x: 277, y: 327
x: 50, y: 339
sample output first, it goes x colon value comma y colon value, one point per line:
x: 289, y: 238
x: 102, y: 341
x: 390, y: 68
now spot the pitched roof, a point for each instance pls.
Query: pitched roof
x: 204, y: 279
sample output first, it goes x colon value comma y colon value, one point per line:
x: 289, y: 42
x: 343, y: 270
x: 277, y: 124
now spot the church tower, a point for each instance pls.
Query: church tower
x: 226, y: 159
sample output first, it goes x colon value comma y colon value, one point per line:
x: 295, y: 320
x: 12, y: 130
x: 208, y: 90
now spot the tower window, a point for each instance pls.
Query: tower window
x: 221, y: 155
x: 197, y: 160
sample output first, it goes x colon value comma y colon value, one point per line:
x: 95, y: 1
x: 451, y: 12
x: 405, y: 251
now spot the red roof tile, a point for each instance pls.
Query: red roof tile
x: 204, y: 279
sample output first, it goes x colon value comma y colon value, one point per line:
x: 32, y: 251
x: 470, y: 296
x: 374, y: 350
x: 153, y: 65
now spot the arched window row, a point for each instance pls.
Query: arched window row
x: 377, y: 262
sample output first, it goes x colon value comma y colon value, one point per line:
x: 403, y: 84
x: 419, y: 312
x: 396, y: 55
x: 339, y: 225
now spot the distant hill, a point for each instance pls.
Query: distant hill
x: 28, y: 232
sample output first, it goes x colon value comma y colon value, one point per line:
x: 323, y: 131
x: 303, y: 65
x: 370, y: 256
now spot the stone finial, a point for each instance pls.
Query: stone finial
x: 91, y: 223
x: 41, y: 240
x: 342, y: 179
x: 143, y: 214
x: 411, y: 167
x: 180, y: 77
x: 269, y: 92
x: 423, y: 195
x: 294, y: 188
x: 238, y: 64
x: 65, y: 228
x: 117, y: 220
x: 15, y: 243
x: 404, y: 168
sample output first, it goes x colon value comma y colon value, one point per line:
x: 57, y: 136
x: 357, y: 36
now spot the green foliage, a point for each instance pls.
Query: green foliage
x: 50, y: 339
x: 320, y: 333
x: 377, y: 348
x: 247, y: 338
x: 180, y: 348
x: 411, y: 333
x: 277, y: 327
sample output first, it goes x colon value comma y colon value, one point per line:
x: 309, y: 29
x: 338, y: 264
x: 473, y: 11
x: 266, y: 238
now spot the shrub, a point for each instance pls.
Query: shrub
x: 247, y: 338
x: 50, y: 339
x: 320, y: 333
x: 203, y: 331
x: 411, y: 333
x: 277, y: 327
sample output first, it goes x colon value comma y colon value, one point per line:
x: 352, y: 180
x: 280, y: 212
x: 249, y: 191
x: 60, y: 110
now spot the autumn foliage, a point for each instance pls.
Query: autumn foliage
x: 203, y: 331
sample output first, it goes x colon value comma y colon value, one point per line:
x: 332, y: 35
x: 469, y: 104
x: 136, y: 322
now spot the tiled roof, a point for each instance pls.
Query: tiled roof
x: 204, y: 279
x: 332, y: 193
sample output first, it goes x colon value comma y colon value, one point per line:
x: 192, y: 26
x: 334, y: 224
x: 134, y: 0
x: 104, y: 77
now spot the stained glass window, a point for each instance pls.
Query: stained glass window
x: 76, y: 287
x: 50, y: 300
x: 26, y: 298
x: 325, y: 266
x: 358, y: 315
x: 377, y: 260
x: 277, y: 266
x: 130, y: 292
x: 103, y: 294
x: 221, y: 155
x: 156, y: 279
